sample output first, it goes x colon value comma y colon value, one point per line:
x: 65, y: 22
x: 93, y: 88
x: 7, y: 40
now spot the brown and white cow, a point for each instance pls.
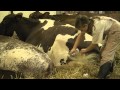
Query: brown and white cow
x: 58, y: 40
x: 54, y: 38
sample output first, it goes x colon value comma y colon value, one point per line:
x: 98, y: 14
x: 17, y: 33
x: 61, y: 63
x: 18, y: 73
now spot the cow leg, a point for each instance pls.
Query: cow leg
x: 7, y: 74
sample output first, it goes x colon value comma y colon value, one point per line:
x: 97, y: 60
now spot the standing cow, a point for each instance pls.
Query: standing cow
x: 51, y: 37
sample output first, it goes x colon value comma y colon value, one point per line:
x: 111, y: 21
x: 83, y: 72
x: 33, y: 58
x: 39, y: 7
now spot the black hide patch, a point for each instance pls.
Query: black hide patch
x: 83, y: 44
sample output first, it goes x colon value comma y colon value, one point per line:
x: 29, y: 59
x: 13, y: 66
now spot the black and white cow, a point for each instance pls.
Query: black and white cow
x: 17, y: 56
x: 51, y: 37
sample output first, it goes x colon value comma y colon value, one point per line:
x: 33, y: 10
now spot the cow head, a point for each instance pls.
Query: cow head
x: 21, y: 25
x: 8, y: 23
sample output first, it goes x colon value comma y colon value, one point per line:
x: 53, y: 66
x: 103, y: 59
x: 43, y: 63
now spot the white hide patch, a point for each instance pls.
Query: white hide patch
x: 88, y: 37
x: 68, y: 25
x: 50, y: 23
x: 59, y: 50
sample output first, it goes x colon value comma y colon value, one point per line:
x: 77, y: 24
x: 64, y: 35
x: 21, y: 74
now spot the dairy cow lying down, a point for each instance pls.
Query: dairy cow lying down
x: 51, y: 37
x: 19, y: 57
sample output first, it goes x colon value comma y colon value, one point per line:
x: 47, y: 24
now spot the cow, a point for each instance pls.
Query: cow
x: 35, y: 15
x: 18, y: 57
x: 70, y: 19
x: 53, y: 38
x: 63, y: 18
x: 38, y: 15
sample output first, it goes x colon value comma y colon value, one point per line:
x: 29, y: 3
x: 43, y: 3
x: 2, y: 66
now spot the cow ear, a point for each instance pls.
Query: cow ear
x: 19, y: 15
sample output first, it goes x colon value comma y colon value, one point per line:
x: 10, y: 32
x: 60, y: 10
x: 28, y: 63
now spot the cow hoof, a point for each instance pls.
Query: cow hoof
x: 62, y: 62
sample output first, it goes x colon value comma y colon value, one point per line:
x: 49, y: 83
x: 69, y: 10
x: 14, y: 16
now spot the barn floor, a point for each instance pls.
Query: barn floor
x: 78, y: 71
x: 85, y: 68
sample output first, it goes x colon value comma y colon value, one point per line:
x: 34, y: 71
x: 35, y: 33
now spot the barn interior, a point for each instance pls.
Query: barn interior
x: 78, y: 67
